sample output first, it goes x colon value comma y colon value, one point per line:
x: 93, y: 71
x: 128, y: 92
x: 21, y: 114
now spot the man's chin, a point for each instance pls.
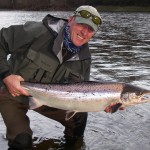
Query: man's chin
x: 78, y: 43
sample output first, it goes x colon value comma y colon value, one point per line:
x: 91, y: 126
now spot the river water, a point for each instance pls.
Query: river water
x: 120, y: 52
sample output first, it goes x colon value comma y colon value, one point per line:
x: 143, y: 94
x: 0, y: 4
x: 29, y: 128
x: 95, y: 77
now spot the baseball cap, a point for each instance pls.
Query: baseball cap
x: 88, y: 15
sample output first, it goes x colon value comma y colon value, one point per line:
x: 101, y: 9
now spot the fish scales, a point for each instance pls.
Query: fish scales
x: 80, y: 87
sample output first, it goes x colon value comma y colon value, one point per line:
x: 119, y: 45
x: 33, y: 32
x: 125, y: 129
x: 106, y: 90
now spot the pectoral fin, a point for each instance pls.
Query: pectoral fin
x: 115, y: 107
x: 70, y: 114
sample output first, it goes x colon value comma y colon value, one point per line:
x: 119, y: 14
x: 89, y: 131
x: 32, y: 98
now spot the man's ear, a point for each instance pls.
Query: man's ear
x: 70, y: 19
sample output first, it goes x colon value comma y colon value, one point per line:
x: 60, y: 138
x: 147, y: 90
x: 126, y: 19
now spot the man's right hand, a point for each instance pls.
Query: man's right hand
x: 12, y: 83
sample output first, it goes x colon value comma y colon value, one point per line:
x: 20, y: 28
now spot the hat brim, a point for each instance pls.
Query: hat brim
x: 87, y: 21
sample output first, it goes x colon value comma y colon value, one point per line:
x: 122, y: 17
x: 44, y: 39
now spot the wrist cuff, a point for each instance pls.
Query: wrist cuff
x: 4, y: 75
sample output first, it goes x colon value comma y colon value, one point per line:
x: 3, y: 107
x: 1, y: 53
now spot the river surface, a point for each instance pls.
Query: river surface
x: 121, y: 53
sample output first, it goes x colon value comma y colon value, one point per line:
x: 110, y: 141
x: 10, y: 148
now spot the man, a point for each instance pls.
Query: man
x: 52, y: 51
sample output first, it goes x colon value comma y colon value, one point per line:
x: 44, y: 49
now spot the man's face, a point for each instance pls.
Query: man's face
x: 80, y: 33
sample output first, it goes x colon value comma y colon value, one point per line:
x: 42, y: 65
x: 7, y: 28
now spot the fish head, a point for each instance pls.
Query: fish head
x: 132, y: 98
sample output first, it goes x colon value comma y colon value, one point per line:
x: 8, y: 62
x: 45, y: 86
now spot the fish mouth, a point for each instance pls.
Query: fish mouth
x: 145, y: 97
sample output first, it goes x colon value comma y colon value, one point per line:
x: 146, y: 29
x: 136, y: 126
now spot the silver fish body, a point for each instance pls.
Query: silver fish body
x: 85, y: 96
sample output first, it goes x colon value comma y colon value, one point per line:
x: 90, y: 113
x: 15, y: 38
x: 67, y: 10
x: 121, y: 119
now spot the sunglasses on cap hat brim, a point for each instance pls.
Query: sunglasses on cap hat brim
x: 85, y: 14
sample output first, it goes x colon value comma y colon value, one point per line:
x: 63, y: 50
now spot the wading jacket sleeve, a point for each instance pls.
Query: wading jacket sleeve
x: 36, y: 53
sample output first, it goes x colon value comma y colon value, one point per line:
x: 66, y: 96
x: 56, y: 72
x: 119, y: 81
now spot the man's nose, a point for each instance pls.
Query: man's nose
x: 85, y: 30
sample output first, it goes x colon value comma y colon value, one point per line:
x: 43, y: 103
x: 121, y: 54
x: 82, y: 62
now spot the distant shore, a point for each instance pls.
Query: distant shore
x: 100, y: 8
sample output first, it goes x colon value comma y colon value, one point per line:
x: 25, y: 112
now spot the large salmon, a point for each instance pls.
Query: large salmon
x: 85, y: 96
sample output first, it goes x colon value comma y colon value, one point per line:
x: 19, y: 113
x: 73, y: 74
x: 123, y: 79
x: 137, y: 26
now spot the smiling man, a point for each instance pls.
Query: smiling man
x: 83, y: 25
x: 52, y: 51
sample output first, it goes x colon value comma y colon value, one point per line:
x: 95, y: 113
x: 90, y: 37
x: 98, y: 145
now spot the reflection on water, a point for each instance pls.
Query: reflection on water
x: 60, y: 144
x: 120, y: 52
x: 121, y: 49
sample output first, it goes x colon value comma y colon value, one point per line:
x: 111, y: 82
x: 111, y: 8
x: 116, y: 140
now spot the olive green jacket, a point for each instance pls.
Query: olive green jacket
x: 36, y: 53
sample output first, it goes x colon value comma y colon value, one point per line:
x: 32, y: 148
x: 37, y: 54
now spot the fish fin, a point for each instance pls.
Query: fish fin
x: 115, y: 107
x: 34, y: 103
x: 69, y: 115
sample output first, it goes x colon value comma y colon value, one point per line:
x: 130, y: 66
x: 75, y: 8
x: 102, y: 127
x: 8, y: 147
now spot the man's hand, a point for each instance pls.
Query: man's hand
x: 12, y: 83
x: 113, y: 107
